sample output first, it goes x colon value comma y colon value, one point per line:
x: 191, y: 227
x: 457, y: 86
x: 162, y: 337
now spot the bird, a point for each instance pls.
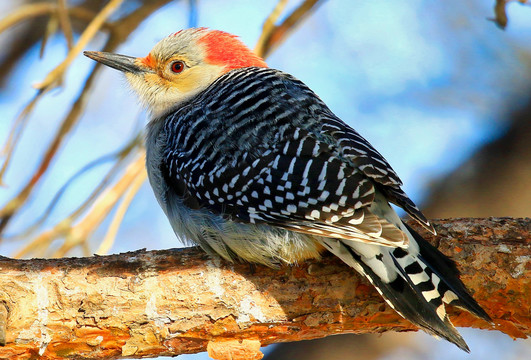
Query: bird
x: 249, y: 163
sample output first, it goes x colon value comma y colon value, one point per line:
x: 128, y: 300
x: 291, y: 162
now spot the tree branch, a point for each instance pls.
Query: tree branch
x: 170, y: 302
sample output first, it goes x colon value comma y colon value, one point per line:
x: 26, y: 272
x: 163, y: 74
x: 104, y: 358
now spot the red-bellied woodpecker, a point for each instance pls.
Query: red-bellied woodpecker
x: 248, y: 163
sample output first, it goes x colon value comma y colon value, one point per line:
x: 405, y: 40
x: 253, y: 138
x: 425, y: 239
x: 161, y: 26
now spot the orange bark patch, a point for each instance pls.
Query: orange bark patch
x: 235, y: 350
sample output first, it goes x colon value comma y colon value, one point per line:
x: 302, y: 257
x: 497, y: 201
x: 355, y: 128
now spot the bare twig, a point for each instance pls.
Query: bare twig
x: 500, y: 12
x: 273, y: 36
x: 31, y: 11
x: 269, y: 27
x: 172, y: 302
x: 92, y: 29
x: 109, y: 238
x: 118, y: 159
x: 51, y: 28
x: 129, y: 150
x: 31, y: 30
x: 78, y: 234
x: 101, y: 208
x: 64, y: 22
x: 26, y: 12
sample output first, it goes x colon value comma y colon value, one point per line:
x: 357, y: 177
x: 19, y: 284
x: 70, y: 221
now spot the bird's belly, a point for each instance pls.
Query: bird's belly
x: 232, y: 241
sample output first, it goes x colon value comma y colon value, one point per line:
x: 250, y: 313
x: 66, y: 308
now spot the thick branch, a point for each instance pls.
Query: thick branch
x: 181, y: 301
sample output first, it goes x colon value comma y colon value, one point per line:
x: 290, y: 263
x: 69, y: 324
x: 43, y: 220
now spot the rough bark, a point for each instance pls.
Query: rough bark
x: 170, y: 302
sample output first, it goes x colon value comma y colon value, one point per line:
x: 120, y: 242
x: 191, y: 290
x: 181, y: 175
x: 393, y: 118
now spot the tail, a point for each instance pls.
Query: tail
x: 417, y: 282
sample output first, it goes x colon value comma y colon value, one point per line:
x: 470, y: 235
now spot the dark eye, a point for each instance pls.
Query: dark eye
x: 177, y: 66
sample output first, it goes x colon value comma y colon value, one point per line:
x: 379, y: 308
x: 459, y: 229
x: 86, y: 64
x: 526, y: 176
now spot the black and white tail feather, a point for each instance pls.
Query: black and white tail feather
x: 417, y: 281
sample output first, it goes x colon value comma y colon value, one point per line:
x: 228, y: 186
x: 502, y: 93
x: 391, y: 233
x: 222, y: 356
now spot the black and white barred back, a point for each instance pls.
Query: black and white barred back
x: 258, y: 147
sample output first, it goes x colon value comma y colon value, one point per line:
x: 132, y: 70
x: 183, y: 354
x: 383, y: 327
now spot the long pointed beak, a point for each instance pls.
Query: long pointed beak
x: 127, y: 64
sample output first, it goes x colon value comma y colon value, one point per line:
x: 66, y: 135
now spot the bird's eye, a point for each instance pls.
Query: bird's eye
x: 177, y: 67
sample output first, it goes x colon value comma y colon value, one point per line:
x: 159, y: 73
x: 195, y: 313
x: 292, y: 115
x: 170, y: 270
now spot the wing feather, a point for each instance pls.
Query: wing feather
x: 290, y: 163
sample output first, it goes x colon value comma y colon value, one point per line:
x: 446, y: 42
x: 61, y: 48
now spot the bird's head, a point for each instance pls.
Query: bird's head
x: 180, y: 66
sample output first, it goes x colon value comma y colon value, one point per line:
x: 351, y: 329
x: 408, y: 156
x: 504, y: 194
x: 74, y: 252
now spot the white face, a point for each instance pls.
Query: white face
x: 175, y: 72
x: 164, y: 89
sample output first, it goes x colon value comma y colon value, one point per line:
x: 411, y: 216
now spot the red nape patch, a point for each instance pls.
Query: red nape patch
x: 226, y: 49
x: 148, y: 61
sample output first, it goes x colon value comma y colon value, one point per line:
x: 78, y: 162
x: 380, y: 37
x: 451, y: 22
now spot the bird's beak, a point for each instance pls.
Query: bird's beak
x: 127, y: 64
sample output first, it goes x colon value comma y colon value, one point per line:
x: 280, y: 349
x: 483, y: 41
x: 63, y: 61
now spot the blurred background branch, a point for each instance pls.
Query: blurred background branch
x: 500, y: 11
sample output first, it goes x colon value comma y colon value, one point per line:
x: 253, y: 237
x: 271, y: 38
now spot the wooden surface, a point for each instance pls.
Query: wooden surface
x: 170, y: 302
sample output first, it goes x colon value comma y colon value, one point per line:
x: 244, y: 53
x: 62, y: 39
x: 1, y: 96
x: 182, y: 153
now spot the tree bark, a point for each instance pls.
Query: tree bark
x: 170, y: 302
